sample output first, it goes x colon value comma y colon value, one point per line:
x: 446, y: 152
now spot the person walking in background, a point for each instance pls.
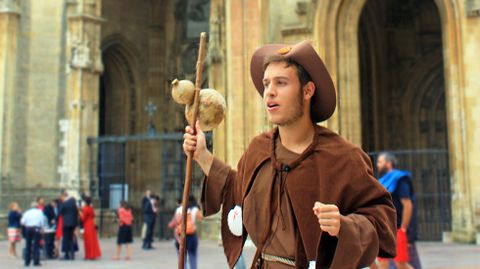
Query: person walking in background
x: 13, y: 230
x: 90, y: 240
x: 124, y: 237
x: 50, y: 212
x: 145, y: 199
x: 194, y: 215
x: 33, y: 220
x: 41, y: 202
x: 149, y: 213
x: 59, y: 226
x: 399, y: 184
x: 69, y: 213
x: 175, y: 221
x: 80, y: 204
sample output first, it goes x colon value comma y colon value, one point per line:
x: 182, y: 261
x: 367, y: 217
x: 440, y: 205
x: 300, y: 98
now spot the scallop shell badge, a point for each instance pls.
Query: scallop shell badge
x: 234, y: 220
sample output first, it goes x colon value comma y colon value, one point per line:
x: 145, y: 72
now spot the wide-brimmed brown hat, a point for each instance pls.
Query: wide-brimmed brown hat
x: 324, y: 99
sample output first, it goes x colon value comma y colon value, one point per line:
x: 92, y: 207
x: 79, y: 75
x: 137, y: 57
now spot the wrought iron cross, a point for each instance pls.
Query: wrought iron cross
x: 150, y: 108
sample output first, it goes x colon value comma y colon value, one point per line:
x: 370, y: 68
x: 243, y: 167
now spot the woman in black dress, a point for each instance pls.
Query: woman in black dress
x: 124, y: 237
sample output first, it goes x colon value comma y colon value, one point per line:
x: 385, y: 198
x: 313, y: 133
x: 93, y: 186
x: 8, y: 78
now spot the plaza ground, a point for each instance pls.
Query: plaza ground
x: 434, y: 255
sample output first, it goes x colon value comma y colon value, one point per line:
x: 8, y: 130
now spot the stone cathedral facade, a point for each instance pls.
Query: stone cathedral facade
x: 77, y: 71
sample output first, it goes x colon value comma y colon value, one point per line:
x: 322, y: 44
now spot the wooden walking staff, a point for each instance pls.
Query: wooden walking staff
x: 188, y: 169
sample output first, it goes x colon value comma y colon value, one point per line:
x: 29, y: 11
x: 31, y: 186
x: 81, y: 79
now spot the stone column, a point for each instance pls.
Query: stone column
x: 84, y: 67
x: 245, y: 117
x: 216, y: 68
x: 471, y: 127
x: 9, y: 18
x: 235, y: 32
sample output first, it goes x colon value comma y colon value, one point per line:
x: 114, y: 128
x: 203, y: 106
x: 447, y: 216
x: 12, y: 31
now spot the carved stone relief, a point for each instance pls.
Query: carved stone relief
x: 80, y: 55
x: 300, y: 17
x: 472, y: 8
x: 9, y: 6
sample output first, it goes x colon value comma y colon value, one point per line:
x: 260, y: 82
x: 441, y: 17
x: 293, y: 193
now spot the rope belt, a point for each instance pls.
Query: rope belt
x: 273, y: 258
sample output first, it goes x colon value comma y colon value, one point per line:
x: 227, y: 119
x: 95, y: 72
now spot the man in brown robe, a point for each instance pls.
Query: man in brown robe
x: 309, y: 198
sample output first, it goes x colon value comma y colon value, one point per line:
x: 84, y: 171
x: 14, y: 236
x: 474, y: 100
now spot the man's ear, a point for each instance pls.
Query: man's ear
x: 309, y: 90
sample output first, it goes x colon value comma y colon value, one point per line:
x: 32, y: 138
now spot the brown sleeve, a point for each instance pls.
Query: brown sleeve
x: 218, y: 190
x: 357, y: 242
x: 214, y: 186
x: 370, y: 230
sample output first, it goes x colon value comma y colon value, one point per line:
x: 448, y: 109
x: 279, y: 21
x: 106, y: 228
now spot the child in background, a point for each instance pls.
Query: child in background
x: 13, y: 230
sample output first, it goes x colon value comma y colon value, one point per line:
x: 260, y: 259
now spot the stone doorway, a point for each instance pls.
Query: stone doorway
x: 402, y: 93
x: 117, y: 90
x: 118, y: 108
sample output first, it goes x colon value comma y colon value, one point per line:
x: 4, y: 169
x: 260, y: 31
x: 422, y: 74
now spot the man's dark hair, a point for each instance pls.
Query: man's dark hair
x: 63, y: 192
x: 389, y: 157
x: 303, y: 75
x: 192, y: 201
x: 124, y: 204
x: 87, y: 200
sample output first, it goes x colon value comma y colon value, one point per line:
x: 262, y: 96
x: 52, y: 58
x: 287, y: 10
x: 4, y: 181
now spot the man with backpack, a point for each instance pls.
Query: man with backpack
x: 194, y: 214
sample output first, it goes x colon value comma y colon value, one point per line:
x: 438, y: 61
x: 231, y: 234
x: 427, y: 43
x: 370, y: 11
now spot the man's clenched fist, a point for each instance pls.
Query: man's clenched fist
x: 328, y: 218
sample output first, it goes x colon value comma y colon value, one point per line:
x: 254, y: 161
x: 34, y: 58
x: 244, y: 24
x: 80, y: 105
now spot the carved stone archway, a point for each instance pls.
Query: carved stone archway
x: 336, y: 34
x: 120, y: 108
x: 119, y: 87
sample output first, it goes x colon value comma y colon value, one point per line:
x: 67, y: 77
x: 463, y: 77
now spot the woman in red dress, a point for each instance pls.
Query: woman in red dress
x: 90, y: 240
x: 58, y: 232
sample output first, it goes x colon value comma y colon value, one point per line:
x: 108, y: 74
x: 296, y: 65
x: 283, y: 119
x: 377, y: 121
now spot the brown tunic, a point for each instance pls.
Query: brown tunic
x: 264, y: 193
x: 332, y: 171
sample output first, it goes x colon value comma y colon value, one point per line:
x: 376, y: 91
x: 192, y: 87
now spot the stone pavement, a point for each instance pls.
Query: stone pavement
x: 433, y: 255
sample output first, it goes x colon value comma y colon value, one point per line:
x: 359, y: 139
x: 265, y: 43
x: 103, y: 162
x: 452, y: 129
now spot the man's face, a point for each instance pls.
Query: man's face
x: 282, y: 96
x: 383, y: 166
x: 41, y: 201
x: 148, y: 193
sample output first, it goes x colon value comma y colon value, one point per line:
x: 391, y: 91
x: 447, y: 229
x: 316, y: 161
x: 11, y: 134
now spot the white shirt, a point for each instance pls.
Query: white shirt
x: 154, y: 205
x: 33, y: 218
x: 193, y: 211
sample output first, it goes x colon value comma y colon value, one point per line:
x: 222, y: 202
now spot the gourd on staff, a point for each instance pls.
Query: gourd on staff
x: 212, y: 104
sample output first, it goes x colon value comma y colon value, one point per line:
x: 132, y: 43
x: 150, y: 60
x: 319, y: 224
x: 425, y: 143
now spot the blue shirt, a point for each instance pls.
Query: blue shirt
x: 14, y: 219
x: 404, y: 190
